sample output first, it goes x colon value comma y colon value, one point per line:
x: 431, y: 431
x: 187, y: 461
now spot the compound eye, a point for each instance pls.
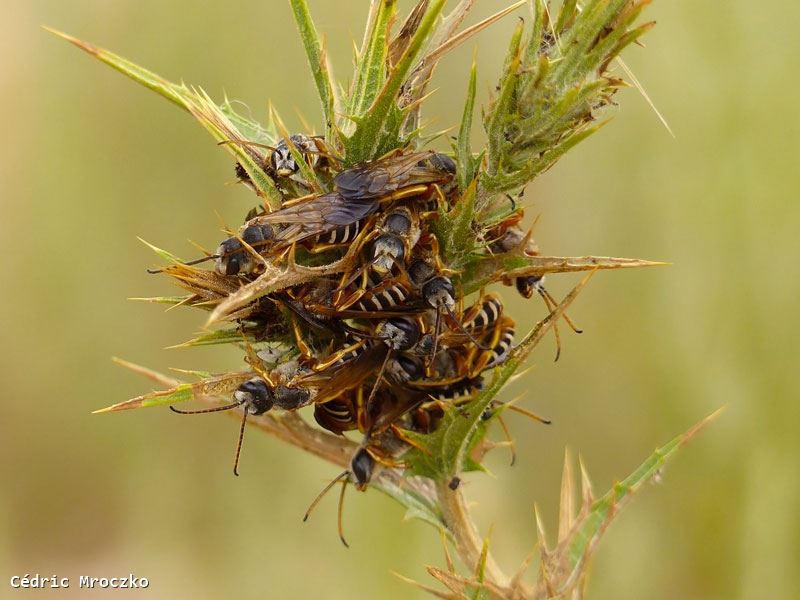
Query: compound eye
x: 444, y: 163
x: 229, y: 246
x: 230, y: 265
x: 256, y: 395
x: 439, y: 293
x: 252, y: 234
x: 362, y: 466
x: 267, y: 232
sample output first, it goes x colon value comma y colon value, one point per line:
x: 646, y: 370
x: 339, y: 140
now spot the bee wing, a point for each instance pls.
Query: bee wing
x: 394, y: 405
x: 333, y: 381
x: 317, y: 215
x: 373, y: 180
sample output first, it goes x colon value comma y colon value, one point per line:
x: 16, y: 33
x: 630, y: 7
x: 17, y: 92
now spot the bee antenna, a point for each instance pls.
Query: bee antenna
x: 465, y: 331
x: 436, y: 329
x: 340, y: 512
x: 197, y: 261
x: 511, y: 445
x: 343, y: 475
x: 206, y: 410
x: 189, y: 263
x: 378, y: 380
x: 246, y: 143
x: 239, y: 444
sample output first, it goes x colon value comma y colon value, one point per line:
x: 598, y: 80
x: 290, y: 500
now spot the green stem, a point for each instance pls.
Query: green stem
x: 466, y: 539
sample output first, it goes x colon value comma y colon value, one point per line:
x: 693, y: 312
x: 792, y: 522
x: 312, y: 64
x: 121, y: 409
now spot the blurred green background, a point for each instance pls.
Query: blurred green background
x: 89, y: 161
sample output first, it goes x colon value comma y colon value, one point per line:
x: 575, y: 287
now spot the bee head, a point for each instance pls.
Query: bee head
x: 387, y: 249
x: 399, y: 333
x: 256, y: 395
x: 439, y: 293
x: 361, y: 466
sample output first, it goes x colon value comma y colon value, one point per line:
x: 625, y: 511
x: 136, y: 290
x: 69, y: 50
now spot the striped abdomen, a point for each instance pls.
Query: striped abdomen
x: 484, y: 313
x: 336, y: 416
x: 343, y: 234
x: 383, y: 298
x: 500, y: 353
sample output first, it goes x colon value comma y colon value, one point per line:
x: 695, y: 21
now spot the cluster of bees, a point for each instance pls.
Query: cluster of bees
x: 384, y: 345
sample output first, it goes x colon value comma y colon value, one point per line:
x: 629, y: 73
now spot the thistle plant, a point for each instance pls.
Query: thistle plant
x: 556, y: 80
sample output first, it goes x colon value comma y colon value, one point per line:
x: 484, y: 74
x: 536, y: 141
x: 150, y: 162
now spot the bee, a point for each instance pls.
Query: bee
x: 280, y: 163
x: 340, y: 414
x: 438, y: 293
x: 500, y: 346
x: 256, y: 396
x: 386, y: 249
x: 391, y: 175
x: 360, y: 191
x: 312, y: 148
x: 381, y: 445
x: 509, y: 238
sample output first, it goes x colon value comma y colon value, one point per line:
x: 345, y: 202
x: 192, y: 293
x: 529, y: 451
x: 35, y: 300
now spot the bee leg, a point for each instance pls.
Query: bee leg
x: 401, y: 435
x: 531, y: 415
x: 337, y: 356
x: 345, y: 303
x: 304, y: 349
x: 511, y: 444
x: 387, y: 461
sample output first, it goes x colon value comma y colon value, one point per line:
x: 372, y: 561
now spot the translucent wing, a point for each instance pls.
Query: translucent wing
x: 318, y: 215
x: 384, y: 177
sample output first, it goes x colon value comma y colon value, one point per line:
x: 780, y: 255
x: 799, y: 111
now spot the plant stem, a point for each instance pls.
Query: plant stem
x: 466, y: 539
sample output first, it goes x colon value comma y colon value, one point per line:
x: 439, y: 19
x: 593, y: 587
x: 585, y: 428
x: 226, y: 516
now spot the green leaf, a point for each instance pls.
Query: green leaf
x: 220, y: 385
x: 467, y: 166
x: 372, y: 62
x: 418, y: 505
x: 549, y: 93
x: 166, y: 255
x: 455, y: 229
x: 589, y: 529
x: 371, y: 134
x: 496, y: 123
x: 317, y: 60
x: 250, y: 157
x: 214, y: 338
